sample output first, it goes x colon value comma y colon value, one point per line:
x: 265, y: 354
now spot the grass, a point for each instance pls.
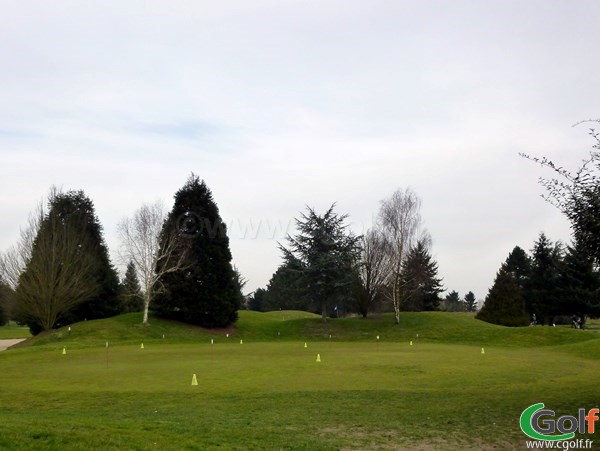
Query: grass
x: 13, y: 330
x: 270, y: 393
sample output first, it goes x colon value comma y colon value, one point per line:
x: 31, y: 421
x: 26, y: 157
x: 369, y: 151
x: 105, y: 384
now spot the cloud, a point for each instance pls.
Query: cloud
x: 282, y: 104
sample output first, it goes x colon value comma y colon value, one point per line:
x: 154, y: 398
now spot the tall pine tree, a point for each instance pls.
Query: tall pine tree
x: 205, y: 291
x: 131, y: 293
x: 542, y: 293
x: 470, y: 302
x: 518, y: 264
x: 420, y: 284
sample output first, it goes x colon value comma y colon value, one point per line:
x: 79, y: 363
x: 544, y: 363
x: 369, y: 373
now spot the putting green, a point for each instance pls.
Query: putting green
x: 274, y: 395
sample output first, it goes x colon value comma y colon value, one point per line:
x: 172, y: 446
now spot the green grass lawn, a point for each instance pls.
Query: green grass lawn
x: 270, y: 393
x: 13, y: 330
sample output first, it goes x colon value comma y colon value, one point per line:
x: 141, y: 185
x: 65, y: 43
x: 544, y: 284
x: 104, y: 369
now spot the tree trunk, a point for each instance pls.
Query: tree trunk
x: 396, y: 301
x: 146, y: 305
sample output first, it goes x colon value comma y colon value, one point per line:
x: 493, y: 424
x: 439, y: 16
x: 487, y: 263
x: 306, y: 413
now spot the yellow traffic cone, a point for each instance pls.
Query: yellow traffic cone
x: 482, y: 351
x: 194, y: 380
x: 318, y: 357
x: 142, y: 346
x: 305, y: 345
x: 241, y: 342
x: 411, y: 342
x: 64, y: 351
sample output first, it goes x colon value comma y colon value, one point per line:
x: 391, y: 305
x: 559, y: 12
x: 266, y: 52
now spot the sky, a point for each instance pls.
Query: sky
x: 280, y: 104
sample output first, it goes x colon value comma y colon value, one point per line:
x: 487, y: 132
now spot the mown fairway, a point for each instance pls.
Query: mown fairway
x: 270, y: 393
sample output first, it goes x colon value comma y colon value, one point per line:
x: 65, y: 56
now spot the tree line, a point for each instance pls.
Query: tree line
x: 555, y: 282
x: 327, y: 269
x: 60, y: 271
x: 179, y: 263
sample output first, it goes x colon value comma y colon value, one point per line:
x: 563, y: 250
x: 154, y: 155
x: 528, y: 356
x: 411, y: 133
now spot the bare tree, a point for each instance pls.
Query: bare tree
x: 58, y: 271
x: 374, y: 269
x: 141, y: 238
x: 400, y: 223
x: 14, y: 260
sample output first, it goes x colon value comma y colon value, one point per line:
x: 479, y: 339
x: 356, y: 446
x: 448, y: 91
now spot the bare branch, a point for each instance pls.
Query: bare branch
x: 141, y: 237
x: 400, y: 223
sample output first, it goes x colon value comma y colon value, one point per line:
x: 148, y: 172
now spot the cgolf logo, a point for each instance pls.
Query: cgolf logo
x: 540, y: 424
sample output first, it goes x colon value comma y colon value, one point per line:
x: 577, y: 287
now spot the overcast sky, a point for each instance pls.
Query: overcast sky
x: 280, y: 104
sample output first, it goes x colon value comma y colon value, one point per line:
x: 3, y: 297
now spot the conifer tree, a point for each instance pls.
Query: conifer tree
x: 204, y: 291
x: 328, y: 254
x: 79, y: 207
x: 579, y: 283
x: 421, y: 286
x: 504, y: 304
x: 470, y: 302
x: 453, y: 303
x: 542, y: 294
x: 256, y: 302
x: 131, y: 293
x: 285, y: 289
x: 518, y: 264
x: 61, y: 269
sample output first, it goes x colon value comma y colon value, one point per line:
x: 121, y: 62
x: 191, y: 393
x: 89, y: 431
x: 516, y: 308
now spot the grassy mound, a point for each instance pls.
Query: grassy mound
x: 427, y: 327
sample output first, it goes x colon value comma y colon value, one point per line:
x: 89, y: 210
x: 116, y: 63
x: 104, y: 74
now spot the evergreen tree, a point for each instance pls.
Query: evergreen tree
x: 79, y: 207
x: 205, y: 291
x: 131, y: 293
x: 286, y: 291
x: 453, y: 303
x: 542, y: 294
x: 470, y: 302
x: 518, y: 264
x: 504, y: 304
x: 256, y: 301
x: 420, y: 287
x: 579, y: 283
x: 61, y: 271
x: 329, y: 255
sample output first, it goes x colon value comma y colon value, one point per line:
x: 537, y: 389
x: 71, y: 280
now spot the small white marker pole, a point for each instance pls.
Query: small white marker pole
x: 107, y: 354
x: 377, y: 342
